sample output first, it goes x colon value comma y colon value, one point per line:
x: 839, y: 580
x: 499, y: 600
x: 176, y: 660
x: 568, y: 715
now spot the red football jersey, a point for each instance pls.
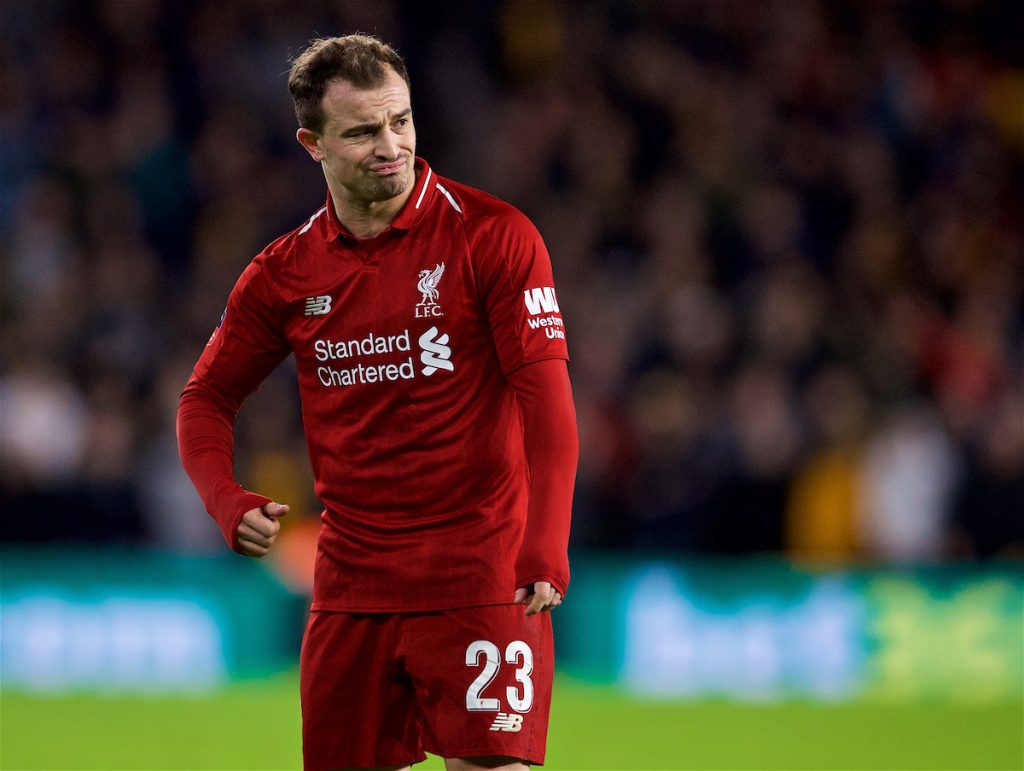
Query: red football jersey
x: 402, y: 344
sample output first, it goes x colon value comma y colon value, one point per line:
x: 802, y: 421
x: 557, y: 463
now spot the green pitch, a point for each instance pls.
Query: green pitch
x: 256, y: 726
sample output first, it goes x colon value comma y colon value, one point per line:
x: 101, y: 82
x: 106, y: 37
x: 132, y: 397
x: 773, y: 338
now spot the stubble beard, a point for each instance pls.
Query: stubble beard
x: 386, y: 188
x: 379, y: 189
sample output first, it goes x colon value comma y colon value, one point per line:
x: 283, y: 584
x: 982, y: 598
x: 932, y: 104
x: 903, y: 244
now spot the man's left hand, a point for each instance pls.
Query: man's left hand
x: 537, y: 597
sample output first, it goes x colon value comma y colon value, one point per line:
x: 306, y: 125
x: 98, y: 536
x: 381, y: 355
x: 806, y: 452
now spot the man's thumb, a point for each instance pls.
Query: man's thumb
x: 274, y: 510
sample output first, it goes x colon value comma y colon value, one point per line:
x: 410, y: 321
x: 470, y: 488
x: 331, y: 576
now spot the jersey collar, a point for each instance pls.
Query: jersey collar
x: 423, y: 192
x: 412, y: 211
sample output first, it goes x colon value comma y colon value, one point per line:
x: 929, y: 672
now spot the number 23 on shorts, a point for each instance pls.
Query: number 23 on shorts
x: 485, y: 654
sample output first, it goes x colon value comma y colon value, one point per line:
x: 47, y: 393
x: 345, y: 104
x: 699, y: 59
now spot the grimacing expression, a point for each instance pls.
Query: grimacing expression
x: 368, y: 142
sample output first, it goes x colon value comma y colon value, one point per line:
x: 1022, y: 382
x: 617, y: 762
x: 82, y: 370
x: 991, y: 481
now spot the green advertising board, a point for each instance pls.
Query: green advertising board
x: 766, y: 630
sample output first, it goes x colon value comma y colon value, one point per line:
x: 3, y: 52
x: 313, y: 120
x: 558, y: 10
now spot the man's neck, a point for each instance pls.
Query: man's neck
x: 365, y: 220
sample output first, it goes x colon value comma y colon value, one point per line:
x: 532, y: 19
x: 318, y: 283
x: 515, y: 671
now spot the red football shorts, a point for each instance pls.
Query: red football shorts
x: 381, y: 688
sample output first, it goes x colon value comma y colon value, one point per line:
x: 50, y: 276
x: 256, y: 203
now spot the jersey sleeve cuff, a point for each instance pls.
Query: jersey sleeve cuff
x: 560, y: 584
x: 243, y: 503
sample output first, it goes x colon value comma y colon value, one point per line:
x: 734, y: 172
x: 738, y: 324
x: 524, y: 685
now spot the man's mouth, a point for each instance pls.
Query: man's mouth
x: 387, y: 169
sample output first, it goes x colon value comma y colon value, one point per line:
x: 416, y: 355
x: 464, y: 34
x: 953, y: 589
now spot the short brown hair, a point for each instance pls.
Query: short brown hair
x: 359, y: 59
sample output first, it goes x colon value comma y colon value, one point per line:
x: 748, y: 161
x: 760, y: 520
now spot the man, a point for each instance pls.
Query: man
x: 431, y: 360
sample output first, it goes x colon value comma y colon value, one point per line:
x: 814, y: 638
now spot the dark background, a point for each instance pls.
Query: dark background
x: 787, y: 239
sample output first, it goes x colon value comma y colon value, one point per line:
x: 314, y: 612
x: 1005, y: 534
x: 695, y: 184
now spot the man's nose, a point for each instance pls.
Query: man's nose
x: 387, y: 145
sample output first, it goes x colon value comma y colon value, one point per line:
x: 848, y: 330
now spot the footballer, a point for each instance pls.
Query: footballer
x: 431, y: 356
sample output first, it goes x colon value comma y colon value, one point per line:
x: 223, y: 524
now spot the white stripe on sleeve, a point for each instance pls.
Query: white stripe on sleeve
x: 309, y: 224
x: 448, y: 195
x: 419, y: 200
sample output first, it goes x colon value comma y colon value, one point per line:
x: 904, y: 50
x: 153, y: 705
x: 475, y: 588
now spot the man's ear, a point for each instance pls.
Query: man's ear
x: 311, y: 141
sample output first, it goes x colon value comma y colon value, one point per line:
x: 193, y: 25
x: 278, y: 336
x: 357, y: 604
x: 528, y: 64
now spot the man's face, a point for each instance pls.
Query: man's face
x: 368, y: 142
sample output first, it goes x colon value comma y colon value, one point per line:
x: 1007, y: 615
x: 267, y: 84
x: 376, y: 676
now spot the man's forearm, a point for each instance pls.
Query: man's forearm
x: 552, y: 451
x: 206, y: 447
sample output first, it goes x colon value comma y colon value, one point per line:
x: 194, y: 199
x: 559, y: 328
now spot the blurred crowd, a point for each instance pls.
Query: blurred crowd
x: 787, y: 238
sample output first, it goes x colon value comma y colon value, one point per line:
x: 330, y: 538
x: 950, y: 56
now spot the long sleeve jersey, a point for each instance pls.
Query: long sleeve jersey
x: 435, y: 400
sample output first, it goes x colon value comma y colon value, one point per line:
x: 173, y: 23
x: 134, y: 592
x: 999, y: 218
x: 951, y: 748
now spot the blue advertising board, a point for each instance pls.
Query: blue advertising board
x: 129, y: 620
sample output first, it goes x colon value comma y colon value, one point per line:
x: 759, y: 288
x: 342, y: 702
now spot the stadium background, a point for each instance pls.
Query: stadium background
x: 788, y: 244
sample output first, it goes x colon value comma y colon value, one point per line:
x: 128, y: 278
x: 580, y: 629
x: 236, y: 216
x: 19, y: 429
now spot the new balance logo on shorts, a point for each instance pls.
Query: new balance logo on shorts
x: 318, y: 306
x: 512, y: 724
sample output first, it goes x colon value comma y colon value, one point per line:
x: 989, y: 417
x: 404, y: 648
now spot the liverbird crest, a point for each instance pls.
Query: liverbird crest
x: 429, y: 279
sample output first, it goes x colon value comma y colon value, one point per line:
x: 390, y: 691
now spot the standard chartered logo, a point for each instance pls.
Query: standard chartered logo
x: 436, y: 353
x: 347, y: 363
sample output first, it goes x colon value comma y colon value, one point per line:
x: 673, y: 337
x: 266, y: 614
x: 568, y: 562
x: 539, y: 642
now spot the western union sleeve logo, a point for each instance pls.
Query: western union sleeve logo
x: 541, y: 299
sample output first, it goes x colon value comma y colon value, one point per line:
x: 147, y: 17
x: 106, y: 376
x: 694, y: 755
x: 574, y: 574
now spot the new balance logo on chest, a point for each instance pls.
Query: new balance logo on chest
x: 318, y: 306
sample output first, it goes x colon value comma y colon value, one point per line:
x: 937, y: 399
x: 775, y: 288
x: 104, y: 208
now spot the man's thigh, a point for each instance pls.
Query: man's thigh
x: 358, y: 705
x: 483, y: 680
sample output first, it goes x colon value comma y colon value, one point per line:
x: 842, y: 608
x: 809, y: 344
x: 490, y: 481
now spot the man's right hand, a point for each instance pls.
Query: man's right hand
x: 259, y: 528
